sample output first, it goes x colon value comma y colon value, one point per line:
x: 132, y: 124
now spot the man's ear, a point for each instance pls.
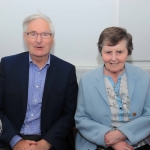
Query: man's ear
x: 53, y: 40
x: 25, y: 37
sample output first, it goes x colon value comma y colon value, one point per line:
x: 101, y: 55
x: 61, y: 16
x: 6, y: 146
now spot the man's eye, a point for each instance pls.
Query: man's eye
x: 45, y: 34
x: 33, y: 34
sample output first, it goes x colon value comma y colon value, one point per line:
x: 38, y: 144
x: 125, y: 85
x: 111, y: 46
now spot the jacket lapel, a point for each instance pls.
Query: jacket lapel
x: 49, y: 80
x: 24, y: 77
x: 100, y: 83
x: 131, y: 79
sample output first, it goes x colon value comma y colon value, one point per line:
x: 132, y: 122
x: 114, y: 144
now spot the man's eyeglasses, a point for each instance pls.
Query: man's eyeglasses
x: 43, y: 35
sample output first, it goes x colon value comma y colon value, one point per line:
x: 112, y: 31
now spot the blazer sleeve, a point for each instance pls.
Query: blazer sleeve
x: 8, y: 131
x: 91, y: 130
x: 139, y: 128
x: 60, y: 129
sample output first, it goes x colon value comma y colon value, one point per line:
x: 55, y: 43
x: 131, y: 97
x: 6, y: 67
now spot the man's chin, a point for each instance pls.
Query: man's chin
x: 40, y: 55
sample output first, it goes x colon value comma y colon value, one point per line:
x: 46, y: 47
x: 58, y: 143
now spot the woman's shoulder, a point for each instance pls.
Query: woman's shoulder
x: 136, y: 70
x: 93, y: 72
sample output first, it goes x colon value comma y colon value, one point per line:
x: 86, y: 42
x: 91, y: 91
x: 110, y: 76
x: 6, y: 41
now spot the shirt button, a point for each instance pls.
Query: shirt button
x: 37, y: 86
x: 32, y: 115
x: 120, y: 107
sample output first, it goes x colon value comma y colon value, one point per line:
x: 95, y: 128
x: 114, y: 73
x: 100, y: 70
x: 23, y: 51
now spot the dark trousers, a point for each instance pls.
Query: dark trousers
x: 103, y: 148
x: 145, y: 147
x: 5, y: 148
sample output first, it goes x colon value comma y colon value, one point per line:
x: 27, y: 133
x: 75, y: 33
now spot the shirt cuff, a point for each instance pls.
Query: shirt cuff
x: 14, y: 140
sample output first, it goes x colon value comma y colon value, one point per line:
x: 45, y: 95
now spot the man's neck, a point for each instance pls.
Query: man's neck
x: 39, y: 61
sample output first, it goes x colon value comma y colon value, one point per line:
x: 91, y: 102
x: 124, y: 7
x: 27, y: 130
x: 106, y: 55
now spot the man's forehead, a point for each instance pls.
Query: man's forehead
x: 38, y: 24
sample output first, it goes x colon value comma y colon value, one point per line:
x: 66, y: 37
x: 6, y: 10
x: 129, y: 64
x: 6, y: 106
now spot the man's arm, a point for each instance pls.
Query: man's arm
x: 9, y: 130
x: 58, y: 132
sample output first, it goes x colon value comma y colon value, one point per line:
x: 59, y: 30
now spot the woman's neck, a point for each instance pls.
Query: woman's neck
x: 113, y: 75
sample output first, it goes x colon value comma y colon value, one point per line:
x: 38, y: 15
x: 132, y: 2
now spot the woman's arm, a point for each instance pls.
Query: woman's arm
x: 113, y: 137
x: 91, y: 130
x: 139, y: 127
x: 122, y: 146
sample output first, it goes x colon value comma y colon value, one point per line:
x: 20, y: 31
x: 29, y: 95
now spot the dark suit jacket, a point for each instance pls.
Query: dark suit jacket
x: 58, y: 103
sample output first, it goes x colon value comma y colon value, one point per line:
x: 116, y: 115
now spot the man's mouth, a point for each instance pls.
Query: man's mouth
x: 38, y: 47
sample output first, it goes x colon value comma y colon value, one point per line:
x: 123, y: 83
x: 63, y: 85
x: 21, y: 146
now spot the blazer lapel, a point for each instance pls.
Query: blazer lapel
x: 131, y: 80
x: 24, y: 77
x: 49, y: 80
x: 100, y: 83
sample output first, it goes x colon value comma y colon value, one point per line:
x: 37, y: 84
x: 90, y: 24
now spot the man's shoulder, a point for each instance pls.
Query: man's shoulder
x: 60, y: 62
x: 15, y: 57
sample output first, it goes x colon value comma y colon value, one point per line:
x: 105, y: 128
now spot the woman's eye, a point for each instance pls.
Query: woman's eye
x: 108, y: 52
x: 119, y: 52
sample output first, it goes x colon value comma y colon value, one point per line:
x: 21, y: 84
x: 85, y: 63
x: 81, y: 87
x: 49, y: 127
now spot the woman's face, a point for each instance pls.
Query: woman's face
x: 114, y: 57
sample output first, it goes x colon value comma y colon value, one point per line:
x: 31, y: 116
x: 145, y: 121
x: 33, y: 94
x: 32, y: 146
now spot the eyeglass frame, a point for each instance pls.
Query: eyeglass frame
x: 28, y: 33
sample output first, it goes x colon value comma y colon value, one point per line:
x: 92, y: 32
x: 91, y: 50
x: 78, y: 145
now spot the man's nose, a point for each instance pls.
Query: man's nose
x: 39, y: 38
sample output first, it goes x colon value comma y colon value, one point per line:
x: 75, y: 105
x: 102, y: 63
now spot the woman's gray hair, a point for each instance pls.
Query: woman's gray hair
x: 30, y: 18
x: 111, y: 36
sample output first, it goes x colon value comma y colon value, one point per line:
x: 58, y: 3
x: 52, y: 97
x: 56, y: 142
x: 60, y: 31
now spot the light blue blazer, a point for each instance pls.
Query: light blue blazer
x: 93, y: 115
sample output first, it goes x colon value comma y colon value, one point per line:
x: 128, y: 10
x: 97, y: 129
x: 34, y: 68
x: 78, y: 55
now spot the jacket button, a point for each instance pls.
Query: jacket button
x: 134, y: 114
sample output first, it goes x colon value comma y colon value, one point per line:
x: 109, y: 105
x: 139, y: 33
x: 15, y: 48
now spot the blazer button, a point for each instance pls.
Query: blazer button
x: 134, y: 114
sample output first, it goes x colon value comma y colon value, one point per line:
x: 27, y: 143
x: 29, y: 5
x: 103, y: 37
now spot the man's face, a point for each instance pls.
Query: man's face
x: 38, y: 47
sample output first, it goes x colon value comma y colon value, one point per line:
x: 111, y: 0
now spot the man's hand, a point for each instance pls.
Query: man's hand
x: 114, y: 137
x: 25, y: 145
x: 43, y: 145
x: 122, y: 146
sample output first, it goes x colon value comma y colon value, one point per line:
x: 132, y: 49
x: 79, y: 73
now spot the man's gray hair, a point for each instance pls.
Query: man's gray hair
x: 30, y: 18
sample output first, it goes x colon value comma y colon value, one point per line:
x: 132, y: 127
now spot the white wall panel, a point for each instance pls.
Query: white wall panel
x: 134, y: 15
x: 78, y: 24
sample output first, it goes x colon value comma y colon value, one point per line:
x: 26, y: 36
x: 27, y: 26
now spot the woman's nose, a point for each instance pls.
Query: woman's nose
x: 114, y: 57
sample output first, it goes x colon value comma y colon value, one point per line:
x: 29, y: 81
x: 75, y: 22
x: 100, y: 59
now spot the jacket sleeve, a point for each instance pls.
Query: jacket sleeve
x: 139, y: 128
x: 91, y: 130
x: 60, y: 129
x: 8, y: 129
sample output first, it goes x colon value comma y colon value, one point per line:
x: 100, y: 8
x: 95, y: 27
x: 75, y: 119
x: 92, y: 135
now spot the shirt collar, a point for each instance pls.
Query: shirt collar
x: 47, y: 63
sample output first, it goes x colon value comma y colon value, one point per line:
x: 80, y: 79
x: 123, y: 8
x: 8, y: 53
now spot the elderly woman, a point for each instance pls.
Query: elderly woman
x: 113, y: 110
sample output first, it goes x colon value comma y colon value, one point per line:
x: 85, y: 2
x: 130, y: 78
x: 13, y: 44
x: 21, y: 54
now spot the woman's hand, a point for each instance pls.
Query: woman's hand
x: 122, y: 146
x: 114, y: 137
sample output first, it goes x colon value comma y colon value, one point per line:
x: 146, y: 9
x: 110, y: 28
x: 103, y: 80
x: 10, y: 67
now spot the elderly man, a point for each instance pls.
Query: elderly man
x: 38, y: 93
